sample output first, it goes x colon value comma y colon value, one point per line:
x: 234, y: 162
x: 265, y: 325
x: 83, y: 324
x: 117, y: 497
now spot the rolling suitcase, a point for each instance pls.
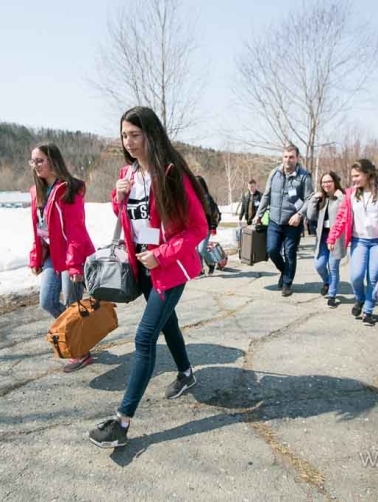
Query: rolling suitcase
x: 253, y: 245
x: 218, y: 255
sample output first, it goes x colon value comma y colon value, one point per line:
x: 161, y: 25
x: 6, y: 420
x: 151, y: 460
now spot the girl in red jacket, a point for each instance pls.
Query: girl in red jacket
x: 163, y: 219
x: 61, y: 241
x: 358, y: 218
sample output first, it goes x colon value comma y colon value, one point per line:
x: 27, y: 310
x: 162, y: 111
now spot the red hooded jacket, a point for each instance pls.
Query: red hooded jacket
x: 70, y: 243
x: 176, y: 253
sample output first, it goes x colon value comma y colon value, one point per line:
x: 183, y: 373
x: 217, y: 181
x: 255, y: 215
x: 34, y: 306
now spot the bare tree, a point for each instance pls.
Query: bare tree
x: 303, y: 75
x: 148, y: 62
x: 233, y: 174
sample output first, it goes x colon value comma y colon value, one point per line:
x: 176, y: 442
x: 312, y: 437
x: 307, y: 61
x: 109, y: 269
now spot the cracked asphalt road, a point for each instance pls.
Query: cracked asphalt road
x: 285, y: 408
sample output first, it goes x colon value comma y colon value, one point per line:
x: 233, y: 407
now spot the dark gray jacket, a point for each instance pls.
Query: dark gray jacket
x: 313, y: 213
x: 286, y: 195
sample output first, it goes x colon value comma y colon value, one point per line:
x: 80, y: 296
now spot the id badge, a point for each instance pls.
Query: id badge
x: 292, y: 192
x: 256, y: 203
x: 149, y: 235
x: 298, y: 204
x: 43, y: 232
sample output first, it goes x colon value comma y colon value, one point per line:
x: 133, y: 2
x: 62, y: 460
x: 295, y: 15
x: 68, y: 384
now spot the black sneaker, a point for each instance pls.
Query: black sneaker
x: 368, y: 320
x: 280, y: 282
x: 357, y: 308
x: 286, y: 290
x: 180, y: 385
x: 324, y: 289
x: 331, y: 303
x: 109, y: 434
x: 211, y: 269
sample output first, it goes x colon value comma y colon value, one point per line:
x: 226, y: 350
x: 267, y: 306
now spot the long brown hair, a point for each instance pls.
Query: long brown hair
x: 366, y: 166
x: 59, y: 168
x: 336, y: 180
x: 168, y: 184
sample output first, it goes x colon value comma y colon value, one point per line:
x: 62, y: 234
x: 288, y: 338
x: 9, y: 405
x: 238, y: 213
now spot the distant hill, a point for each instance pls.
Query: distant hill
x: 98, y: 161
x: 81, y: 151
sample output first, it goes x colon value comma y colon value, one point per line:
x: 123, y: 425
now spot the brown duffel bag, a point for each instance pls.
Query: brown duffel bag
x: 81, y: 326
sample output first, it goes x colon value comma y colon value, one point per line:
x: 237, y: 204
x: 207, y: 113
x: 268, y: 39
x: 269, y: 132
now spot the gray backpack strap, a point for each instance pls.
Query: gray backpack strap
x: 118, y: 227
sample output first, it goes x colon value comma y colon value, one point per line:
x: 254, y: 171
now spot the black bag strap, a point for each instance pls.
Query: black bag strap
x: 83, y: 311
x: 118, y: 227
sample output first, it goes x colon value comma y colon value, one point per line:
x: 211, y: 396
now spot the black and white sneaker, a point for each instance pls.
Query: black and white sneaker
x: 357, y: 309
x: 324, y: 289
x: 180, y: 385
x: 109, y: 434
x: 368, y: 320
x: 331, y: 303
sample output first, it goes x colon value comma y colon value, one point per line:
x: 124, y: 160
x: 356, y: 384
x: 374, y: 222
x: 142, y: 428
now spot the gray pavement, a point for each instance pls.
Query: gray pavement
x: 285, y: 409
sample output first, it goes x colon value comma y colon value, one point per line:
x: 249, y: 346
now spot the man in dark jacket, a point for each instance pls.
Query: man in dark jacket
x: 250, y: 202
x: 287, y: 192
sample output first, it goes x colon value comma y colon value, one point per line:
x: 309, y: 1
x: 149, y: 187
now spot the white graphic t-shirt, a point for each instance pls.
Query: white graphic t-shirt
x: 138, y: 203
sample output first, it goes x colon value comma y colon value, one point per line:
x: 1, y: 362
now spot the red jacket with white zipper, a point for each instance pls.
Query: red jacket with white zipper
x: 176, y: 252
x: 70, y: 243
x: 344, y: 219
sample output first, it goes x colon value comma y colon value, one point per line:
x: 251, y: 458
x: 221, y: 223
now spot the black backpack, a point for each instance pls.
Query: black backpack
x: 214, y: 215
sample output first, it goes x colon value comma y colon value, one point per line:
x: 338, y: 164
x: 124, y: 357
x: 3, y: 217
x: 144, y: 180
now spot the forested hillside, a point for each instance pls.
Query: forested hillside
x: 81, y: 151
x: 98, y: 161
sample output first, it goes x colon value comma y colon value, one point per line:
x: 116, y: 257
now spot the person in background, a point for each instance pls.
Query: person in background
x: 287, y: 192
x: 61, y: 241
x: 250, y: 203
x: 202, y: 246
x: 323, y: 207
x: 358, y: 218
x: 163, y: 220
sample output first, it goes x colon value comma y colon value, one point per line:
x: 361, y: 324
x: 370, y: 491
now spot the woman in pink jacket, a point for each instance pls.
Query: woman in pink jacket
x: 163, y: 219
x: 61, y: 241
x: 358, y: 217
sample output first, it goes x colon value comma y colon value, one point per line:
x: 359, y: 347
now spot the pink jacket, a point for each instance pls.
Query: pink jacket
x: 176, y: 253
x: 70, y: 243
x: 344, y: 220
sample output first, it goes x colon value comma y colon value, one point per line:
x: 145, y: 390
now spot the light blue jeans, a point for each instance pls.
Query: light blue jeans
x: 328, y: 267
x: 203, y: 252
x: 52, y: 284
x: 364, y: 264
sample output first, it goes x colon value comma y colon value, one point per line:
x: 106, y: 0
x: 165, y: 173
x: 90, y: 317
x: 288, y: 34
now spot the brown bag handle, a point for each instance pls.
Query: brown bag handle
x: 83, y: 310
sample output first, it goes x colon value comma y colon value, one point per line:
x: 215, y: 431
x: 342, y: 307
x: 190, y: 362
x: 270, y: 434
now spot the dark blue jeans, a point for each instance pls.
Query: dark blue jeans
x: 159, y: 315
x: 283, y: 241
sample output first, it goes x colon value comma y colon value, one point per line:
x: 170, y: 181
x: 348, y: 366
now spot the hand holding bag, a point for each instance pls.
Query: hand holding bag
x: 80, y: 327
x: 108, y: 273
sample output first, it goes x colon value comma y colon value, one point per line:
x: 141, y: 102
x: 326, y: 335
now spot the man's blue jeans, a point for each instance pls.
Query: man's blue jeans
x: 364, y: 263
x: 159, y: 315
x: 328, y: 267
x: 51, y: 285
x: 284, y: 238
x: 203, y: 252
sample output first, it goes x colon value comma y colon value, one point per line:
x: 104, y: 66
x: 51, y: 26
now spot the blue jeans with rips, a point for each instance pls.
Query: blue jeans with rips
x: 286, y: 238
x: 364, y: 264
x: 51, y: 285
x: 328, y: 267
x: 159, y: 315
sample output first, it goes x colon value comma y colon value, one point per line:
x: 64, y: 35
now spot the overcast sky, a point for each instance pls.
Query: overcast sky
x: 48, y: 53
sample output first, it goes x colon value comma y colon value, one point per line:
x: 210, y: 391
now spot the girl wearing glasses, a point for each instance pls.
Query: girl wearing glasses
x: 323, y: 207
x: 163, y: 219
x: 358, y: 218
x: 61, y: 241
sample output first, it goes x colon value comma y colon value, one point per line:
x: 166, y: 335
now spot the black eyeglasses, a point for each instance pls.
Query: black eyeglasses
x: 36, y: 162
